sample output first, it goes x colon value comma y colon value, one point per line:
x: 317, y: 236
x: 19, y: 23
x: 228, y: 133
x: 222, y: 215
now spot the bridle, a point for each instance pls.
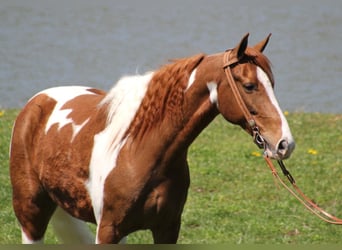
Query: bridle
x: 229, y: 62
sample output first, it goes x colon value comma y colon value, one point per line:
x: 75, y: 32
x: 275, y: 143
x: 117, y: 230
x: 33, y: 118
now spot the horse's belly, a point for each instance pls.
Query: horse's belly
x: 79, y: 207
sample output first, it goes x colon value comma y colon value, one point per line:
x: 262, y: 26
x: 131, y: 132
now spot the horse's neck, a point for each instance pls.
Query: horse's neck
x: 197, y: 121
x: 199, y: 109
x: 166, y: 146
x: 173, y: 137
x: 173, y: 134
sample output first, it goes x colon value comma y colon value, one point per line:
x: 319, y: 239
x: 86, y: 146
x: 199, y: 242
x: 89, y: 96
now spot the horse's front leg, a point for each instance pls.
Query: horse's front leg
x: 167, y: 234
x: 108, y: 234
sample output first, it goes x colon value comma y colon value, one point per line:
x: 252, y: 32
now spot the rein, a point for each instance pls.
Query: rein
x: 260, y: 142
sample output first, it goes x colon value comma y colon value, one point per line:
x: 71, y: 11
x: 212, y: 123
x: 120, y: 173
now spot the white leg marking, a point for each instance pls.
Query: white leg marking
x: 26, y: 240
x: 71, y: 230
x: 263, y: 78
x: 212, y: 87
x: 192, y: 79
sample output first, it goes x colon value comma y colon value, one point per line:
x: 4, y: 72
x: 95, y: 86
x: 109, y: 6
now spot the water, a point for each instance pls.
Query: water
x: 49, y: 43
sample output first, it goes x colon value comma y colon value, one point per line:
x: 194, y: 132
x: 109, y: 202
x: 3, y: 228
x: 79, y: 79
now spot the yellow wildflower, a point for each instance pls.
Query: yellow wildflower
x: 286, y: 113
x: 312, y: 151
x: 2, y: 112
x: 256, y: 153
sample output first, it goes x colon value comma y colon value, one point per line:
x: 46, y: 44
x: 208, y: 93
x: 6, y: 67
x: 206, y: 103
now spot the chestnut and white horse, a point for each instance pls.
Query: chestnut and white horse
x: 119, y: 159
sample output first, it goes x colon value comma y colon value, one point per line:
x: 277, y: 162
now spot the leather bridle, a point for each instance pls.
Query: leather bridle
x: 229, y: 62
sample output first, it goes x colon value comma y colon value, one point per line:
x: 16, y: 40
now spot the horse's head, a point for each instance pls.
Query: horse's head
x: 251, y: 72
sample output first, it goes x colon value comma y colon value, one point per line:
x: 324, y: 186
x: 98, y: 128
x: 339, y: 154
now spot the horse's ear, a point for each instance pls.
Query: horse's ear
x: 261, y: 45
x: 239, y: 51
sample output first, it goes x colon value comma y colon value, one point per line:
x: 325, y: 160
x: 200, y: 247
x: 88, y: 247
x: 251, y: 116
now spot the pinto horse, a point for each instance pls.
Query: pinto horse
x: 119, y: 159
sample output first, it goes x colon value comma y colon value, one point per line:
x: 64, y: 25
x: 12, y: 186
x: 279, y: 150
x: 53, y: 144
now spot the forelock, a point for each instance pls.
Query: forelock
x: 256, y: 57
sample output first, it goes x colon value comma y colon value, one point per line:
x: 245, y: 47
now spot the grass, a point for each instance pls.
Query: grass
x: 232, y: 198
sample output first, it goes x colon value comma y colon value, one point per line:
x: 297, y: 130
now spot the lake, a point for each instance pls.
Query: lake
x: 50, y: 43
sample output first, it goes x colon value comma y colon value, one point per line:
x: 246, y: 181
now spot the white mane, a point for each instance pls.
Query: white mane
x: 123, y: 101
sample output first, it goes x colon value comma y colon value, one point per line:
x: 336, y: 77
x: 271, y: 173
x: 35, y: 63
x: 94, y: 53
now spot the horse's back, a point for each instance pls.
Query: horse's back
x: 49, y: 109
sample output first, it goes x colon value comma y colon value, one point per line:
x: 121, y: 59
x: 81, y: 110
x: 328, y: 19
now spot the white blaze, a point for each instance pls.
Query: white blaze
x: 263, y: 78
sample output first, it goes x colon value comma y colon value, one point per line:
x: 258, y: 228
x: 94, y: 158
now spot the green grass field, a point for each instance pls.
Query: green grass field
x: 233, y: 198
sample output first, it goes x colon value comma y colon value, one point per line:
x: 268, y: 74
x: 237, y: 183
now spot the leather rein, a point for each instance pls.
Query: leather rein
x: 261, y: 143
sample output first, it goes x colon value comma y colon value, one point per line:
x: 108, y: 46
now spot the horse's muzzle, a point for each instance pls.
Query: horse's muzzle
x: 283, y: 149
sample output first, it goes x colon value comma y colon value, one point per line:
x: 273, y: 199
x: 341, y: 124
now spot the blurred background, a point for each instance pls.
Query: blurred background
x: 51, y: 43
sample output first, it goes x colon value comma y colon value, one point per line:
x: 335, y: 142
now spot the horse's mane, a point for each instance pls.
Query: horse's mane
x: 137, y: 103
x: 256, y: 57
x: 121, y: 103
x: 165, y: 94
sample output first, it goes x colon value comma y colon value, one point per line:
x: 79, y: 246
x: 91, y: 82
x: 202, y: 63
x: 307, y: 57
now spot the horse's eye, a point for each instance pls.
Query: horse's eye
x: 249, y: 87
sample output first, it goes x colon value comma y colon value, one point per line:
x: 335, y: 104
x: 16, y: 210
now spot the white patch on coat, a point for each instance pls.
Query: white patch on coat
x: 212, y: 87
x: 123, y: 102
x: 192, y: 79
x: 60, y: 116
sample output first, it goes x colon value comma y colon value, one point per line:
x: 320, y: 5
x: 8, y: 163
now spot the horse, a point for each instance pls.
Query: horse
x: 119, y: 159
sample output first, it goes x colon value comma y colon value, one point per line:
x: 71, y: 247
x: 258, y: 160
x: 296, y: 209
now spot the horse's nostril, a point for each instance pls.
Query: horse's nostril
x: 283, y: 147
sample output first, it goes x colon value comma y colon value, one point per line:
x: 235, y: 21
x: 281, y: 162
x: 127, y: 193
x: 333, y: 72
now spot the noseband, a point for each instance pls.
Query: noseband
x: 228, y: 62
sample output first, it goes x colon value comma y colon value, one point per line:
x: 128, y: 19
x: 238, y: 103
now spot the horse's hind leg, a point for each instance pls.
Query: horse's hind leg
x: 33, y: 215
x: 33, y: 208
x: 32, y: 205
x: 33, y: 212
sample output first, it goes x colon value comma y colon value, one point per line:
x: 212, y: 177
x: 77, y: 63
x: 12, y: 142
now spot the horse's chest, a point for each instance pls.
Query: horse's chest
x: 166, y: 200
